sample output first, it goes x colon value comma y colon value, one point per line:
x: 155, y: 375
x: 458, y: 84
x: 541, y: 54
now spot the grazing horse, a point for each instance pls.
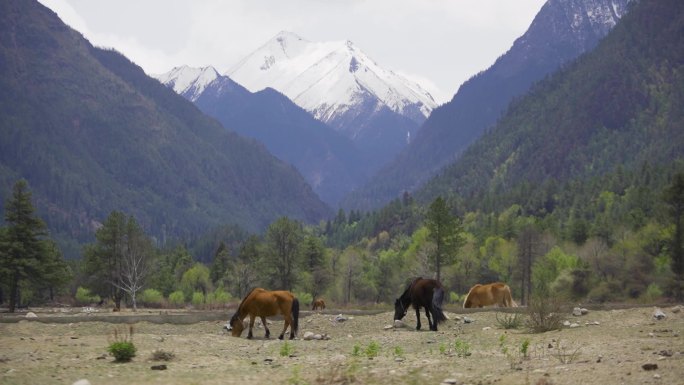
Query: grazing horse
x: 427, y: 293
x: 497, y: 293
x: 318, y: 304
x: 263, y: 303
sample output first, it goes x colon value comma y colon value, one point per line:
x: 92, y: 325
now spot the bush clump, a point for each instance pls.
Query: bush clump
x: 121, y: 346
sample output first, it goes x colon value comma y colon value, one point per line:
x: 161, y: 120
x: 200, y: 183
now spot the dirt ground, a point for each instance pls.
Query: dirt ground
x: 608, y: 347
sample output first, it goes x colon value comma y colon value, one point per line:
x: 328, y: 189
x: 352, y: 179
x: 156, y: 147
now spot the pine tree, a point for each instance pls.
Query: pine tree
x: 22, y: 250
x: 446, y: 233
x: 674, y: 196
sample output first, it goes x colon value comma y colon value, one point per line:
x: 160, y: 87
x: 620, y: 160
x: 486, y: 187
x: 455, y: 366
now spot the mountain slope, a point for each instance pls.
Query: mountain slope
x: 619, y: 109
x: 328, y: 161
x: 92, y: 133
x: 341, y: 86
x: 561, y: 31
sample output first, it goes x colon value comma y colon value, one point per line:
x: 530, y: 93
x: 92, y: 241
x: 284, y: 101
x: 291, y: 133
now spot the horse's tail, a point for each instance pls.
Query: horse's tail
x: 295, y: 316
x: 508, y: 298
x: 437, y: 299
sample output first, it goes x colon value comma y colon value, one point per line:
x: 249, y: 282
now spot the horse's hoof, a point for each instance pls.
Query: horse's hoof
x: 291, y: 337
x: 281, y: 337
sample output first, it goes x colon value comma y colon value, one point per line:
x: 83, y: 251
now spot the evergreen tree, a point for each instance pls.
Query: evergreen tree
x: 24, y: 253
x: 118, y: 260
x: 674, y: 196
x: 220, y: 264
x: 446, y: 233
x: 283, y: 241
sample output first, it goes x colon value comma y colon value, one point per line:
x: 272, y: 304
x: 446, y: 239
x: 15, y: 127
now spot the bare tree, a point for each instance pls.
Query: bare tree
x: 135, y: 265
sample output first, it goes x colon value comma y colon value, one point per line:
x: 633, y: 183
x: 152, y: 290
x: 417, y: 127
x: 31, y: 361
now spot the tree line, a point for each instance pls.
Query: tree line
x: 356, y: 259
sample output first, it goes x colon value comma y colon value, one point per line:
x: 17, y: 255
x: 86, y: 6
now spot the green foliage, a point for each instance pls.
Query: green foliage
x: 177, y: 298
x: 286, y: 349
x: 196, y: 279
x: 653, y: 293
x: 356, y: 350
x: 85, y: 297
x: 509, y: 320
x: 304, y: 298
x: 398, y: 352
x: 445, y: 231
x: 462, y: 348
x: 121, y: 346
x: 524, y: 347
x: 372, y: 350
x: 197, y: 299
x: 152, y: 297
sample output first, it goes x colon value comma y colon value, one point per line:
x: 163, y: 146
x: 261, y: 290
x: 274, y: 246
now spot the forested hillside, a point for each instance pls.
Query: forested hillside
x: 610, y: 122
x: 91, y: 133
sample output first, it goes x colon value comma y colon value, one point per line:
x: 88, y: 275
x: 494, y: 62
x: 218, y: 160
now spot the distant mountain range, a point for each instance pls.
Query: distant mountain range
x: 329, y: 161
x: 339, y: 85
x: 92, y: 133
x: 560, y: 32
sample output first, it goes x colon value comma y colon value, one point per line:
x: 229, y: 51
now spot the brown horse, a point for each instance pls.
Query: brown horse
x: 427, y: 293
x: 497, y: 293
x: 263, y: 303
x: 318, y: 304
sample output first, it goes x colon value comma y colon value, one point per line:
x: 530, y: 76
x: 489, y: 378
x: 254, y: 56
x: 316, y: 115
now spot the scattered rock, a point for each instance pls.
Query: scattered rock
x: 81, y: 382
x: 450, y: 381
x: 308, y: 336
x: 340, y: 318
x: 577, y: 312
x: 665, y: 353
x: 592, y: 323
x: 599, y: 359
x: 31, y: 315
x: 649, y: 366
x: 656, y: 376
x: 467, y: 320
x: 566, y: 323
x: 584, y: 311
x: 398, y: 359
x: 486, y: 328
x: 574, y: 325
x: 399, y: 323
x: 676, y: 309
x: 388, y: 327
x: 658, y: 314
x: 158, y: 367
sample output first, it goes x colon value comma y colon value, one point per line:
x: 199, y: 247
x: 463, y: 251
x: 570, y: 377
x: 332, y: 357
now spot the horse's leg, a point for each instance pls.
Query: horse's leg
x: 251, y: 326
x: 268, y: 332
x: 417, y: 318
x: 431, y: 323
x: 287, y: 323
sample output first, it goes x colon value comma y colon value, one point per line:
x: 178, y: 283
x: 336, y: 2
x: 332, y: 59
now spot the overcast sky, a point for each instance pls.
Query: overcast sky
x: 437, y: 43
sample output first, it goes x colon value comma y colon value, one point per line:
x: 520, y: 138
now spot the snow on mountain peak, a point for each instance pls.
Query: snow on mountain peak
x: 189, y: 81
x: 328, y: 78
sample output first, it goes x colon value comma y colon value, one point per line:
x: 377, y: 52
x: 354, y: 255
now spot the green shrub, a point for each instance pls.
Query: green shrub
x: 122, y: 351
x: 84, y: 297
x: 218, y: 298
x: 304, y: 298
x: 462, y: 348
x: 121, y: 346
x: 652, y: 294
x: 177, y: 298
x: 198, y: 298
x: 286, y: 349
x: 372, y: 349
x: 151, y: 297
x: 456, y: 298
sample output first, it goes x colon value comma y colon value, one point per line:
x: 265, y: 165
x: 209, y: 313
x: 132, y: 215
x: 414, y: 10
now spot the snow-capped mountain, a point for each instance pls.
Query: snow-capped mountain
x: 335, y: 81
x: 187, y: 81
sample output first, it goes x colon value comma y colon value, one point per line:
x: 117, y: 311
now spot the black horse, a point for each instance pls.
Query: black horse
x: 427, y: 293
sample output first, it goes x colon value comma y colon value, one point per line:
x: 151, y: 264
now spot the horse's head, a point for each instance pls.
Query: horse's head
x: 399, y: 309
x: 236, y: 325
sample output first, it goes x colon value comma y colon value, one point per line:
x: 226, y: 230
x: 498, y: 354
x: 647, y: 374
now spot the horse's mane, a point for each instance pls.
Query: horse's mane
x: 237, y: 312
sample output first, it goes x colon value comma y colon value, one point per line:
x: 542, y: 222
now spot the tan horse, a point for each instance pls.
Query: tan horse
x: 263, y: 303
x: 497, y: 293
x: 318, y: 304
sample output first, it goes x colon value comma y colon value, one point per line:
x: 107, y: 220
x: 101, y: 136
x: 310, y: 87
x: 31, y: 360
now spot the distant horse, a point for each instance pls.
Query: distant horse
x: 497, y: 293
x: 427, y: 293
x: 263, y: 303
x: 318, y: 304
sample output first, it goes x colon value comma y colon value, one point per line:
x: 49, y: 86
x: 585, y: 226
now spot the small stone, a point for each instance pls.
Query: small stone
x: 574, y: 325
x: 398, y: 359
x: 599, y: 359
x: 399, y: 323
x: 340, y: 318
x: 81, y: 382
x: 388, y: 327
x: 31, y: 315
x: 308, y: 336
x: 577, y: 312
x: 450, y: 381
x: 649, y: 366
x: 656, y: 376
x: 317, y: 337
x: 566, y: 323
x: 486, y: 328
x: 467, y: 320
x: 584, y: 311
x: 158, y: 367
x: 658, y: 314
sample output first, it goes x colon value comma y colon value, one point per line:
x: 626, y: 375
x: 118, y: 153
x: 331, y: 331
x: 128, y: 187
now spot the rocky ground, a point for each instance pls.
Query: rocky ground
x: 603, y: 347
